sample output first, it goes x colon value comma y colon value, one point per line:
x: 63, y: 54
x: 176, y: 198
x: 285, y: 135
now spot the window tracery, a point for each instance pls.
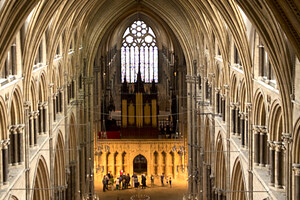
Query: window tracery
x: 139, y: 51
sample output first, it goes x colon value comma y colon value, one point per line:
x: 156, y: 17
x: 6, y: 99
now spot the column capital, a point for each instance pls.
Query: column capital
x: 279, y: 146
x: 248, y: 106
x: 13, y: 129
x: 296, y: 168
x: 226, y: 87
x: 262, y: 129
x: 26, y: 105
x: 271, y: 145
x: 5, y: 143
x: 287, y: 138
x: 242, y: 115
x: 20, y: 127
x: 232, y: 105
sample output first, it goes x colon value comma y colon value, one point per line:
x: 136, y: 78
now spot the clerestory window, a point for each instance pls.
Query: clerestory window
x: 139, y: 52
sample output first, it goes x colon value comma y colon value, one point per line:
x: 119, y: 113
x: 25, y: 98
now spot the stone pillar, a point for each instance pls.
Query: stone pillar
x: 35, y: 127
x: 279, y: 165
x: 189, y: 81
x: 246, y: 130
x: 54, y: 106
x: 272, y: 163
x: 262, y: 144
x: 217, y: 90
x: 242, y: 130
x: 30, y: 125
x: 5, y: 144
x: 237, y: 122
x: 256, y: 145
x: 296, y: 181
x: 232, y: 106
x: 13, y: 147
x: 40, y: 118
x: 20, y: 143
x: 224, y: 108
x: 44, y: 111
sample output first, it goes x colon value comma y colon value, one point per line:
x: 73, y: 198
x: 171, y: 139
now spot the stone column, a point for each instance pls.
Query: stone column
x: 44, y: 111
x: 5, y: 144
x: 232, y: 106
x: 217, y: 90
x: 237, y: 122
x: 35, y: 127
x: 272, y: 163
x: 278, y: 165
x: 30, y: 128
x: 287, y: 140
x: 256, y: 145
x: 262, y: 144
x: 189, y: 80
x: 54, y: 106
x: 224, y: 107
x: 242, y: 130
x: 14, y: 145
x: 296, y: 181
x: 20, y: 143
x: 40, y: 118
x: 246, y: 129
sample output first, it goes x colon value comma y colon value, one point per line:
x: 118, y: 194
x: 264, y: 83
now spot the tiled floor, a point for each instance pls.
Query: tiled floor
x: 157, y: 192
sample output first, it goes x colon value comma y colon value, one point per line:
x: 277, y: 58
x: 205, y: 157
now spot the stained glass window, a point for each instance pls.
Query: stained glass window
x: 139, y: 51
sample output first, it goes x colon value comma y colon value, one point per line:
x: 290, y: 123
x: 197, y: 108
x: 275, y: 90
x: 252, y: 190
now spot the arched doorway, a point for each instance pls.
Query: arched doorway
x: 140, y: 165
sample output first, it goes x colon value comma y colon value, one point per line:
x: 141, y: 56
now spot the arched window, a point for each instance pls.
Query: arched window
x: 139, y: 51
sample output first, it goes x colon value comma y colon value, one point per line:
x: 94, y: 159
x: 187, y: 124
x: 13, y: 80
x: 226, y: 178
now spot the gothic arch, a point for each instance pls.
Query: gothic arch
x: 296, y: 143
x: 238, y: 186
x: 275, y: 121
x: 3, y: 120
x: 233, y: 87
x: 41, y: 181
x: 220, y: 180
x: 72, y: 139
x: 59, y: 167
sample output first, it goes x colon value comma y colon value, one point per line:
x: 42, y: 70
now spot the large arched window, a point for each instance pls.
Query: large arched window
x: 139, y: 50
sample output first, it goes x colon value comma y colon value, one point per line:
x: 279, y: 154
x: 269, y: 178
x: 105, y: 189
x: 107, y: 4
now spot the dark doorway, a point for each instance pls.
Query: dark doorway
x: 140, y: 165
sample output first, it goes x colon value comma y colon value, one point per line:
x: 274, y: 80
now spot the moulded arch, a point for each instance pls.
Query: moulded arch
x: 296, y: 143
x: 275, y: 121
x: 238, y: 186
x: 3, y: 120
x: 259, y: 109
x: 41, y: 181
x: 233, y: 87
x: 220, y: 163
x: 16, y: 106
x: 59, y: 161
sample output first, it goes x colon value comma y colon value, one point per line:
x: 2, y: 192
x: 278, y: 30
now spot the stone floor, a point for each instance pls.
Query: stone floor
x: 157, y: 192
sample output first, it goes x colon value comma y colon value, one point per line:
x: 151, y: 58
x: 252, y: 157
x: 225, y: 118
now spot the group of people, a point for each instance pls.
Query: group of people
x: 123, y: 181
x: 168, y: 180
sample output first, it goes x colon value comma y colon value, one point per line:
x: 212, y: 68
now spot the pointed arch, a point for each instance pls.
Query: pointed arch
x: 238, y: 186
x: 59, y: 166
x: 41, y: 181
x: 220, y: 182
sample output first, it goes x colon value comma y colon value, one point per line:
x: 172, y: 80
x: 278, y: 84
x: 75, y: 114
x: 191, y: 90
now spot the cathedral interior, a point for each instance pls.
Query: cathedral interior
x: 203, y: 91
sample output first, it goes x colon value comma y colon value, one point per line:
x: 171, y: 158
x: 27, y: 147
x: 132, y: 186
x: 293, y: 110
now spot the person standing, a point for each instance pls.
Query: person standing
x: 112, y: 182
x: 162, y: 179
x: 152, y: 180
x: 170, y: 181
x: 117, y: 183
x: 143, y: 181
x: 104, y: 183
